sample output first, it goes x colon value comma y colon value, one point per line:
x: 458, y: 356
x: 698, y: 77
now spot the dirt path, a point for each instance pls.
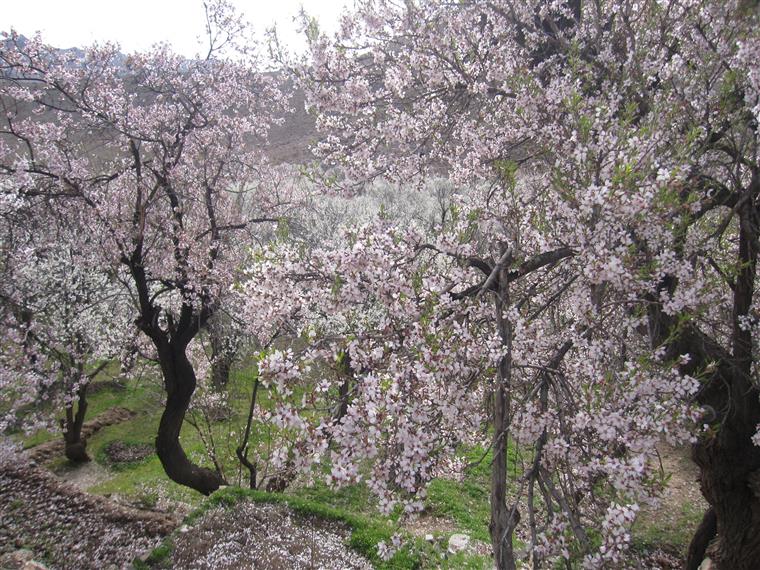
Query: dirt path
x: 667, y: 527
x: 69, y: 529
x: 51, y: 449
x: 683, y: 485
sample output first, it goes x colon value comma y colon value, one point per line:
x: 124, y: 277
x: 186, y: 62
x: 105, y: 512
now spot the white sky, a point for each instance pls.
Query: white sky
x: 137, y: 24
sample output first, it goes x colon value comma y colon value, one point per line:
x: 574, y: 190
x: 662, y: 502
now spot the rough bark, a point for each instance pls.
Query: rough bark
x: 222, y: 355
x: 220, y: 371
x: 729, y: 461
x: 347, y: 373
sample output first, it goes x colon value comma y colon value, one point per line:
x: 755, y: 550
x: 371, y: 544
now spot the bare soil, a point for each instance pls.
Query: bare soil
x: 69, y: 529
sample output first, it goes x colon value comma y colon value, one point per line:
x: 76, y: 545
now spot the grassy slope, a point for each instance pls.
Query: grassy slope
x: 464, y: 504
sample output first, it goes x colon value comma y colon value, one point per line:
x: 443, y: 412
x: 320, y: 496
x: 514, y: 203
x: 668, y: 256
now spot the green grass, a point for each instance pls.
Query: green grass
x: 672, y: 532
x: 136, y: 395
x: 465, y: 504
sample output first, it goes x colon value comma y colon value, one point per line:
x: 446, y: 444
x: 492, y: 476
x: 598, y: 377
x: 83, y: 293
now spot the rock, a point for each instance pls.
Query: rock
x: 429, y: 538
x: 459, y: 543
x: 522, y: 554
x: 33, y: 565
x: 706, y: 564
x: 184, y: 528
x: 15, y: 560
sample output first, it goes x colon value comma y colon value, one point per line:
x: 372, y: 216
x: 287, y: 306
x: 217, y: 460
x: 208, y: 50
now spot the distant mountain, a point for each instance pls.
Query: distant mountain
x: 289, y: 142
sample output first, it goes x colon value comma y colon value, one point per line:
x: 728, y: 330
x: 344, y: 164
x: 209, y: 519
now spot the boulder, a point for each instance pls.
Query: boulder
x: 706, y: 565
x: 15, y: 560
x: 459, y: 543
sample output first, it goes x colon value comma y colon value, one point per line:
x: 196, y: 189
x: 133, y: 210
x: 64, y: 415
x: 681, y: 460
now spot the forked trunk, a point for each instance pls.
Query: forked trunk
x: 180, y: 382
x: 75, y: 446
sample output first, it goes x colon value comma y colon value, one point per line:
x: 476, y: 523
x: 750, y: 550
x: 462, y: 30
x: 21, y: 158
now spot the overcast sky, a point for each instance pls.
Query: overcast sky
x: 137, y: 24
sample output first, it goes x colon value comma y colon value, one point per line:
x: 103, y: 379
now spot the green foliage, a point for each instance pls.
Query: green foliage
x: 465, y: 504
x: 507, y: 171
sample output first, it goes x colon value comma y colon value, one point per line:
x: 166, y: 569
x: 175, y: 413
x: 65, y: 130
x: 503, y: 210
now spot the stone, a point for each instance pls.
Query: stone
x: 429, y: 538
x: 16, y: 560
x: 706, y: 564
x: 459, y: 543
x: 33, y: 565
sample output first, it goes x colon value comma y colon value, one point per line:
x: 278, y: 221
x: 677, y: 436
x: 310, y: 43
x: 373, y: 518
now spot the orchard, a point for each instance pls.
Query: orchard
x: 562, y: 277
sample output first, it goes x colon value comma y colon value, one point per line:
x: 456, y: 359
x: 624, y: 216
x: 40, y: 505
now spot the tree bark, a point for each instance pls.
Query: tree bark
x: 242, y: 449
x: 179, y: 382
x: 503, y: 519
x: 221, y: 366
x: 224, y: 349
x: 347, y: 373
x: 75, y: 446
x: 730, y: 481
x: 729, y: 460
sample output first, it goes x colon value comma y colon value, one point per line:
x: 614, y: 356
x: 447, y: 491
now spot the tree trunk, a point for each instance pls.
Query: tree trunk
x: 730, y: 481
x: 503, y: 519
x: 223, y: 351
x: 179, y: 382
x: 706, y: 531
x: 347, y: 373
x: 729, y: 461
x: 75, y: 446
x: 242, y: 449
x: 221, y: 366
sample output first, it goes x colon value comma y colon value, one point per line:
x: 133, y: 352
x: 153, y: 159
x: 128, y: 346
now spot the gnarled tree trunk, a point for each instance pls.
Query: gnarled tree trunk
x: 179, y: 382
x: 730, y: 481
x: 729, y: 461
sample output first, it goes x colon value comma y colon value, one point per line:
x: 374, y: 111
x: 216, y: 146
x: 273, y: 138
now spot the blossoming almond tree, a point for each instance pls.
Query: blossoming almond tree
x: 163, y: 154
x: 618, y: 241
x: 63, y: 322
